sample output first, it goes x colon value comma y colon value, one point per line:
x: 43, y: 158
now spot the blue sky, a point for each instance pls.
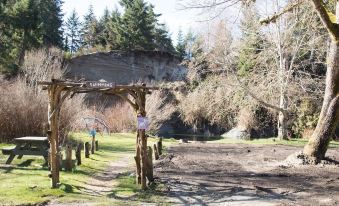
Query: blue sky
x: 171, y: 14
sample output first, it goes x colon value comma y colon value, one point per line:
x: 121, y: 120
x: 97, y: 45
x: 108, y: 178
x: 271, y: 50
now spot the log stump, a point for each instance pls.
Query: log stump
x: 150, y: 165
x: 93, y: 145
x: 159, y: 146
x: 87, y: 149
x: 96, y: 145
x: 78, y: 153
x: 155, y: 149
x: 68, y: 162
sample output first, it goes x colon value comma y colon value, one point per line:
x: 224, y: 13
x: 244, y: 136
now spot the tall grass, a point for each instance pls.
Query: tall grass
x: 23, y: 104
x: 121, y: 117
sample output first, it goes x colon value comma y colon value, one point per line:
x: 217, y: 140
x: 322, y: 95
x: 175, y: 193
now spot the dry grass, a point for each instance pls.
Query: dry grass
x: 120, y: 118
x: 23, y: 104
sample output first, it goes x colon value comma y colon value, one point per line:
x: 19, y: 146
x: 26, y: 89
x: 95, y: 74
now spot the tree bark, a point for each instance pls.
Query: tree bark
x: 329, y: 118
x: 144, y: 158
x: 282, y: 119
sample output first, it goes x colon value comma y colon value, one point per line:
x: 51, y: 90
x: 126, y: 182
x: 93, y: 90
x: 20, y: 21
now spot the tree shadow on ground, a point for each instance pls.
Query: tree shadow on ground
x: 220, y: 174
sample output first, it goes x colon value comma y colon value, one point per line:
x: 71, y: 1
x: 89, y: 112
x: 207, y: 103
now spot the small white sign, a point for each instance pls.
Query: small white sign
x: 143, y: 123
x: 100, y: 84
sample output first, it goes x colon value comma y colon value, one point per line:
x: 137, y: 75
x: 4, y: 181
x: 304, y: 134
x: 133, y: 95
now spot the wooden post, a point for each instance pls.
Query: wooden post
x: 155, y: 149
x: 59, y: 157
x: 93, y: 145
x: 144, y: 159
x: 53, y: 115
x: 87, y: 149
x: 159, y: 146
x: 68, y: 162
x: 138, y: 165
x: 150, y: 165
x: 78, y: 153
x: 96, y: 145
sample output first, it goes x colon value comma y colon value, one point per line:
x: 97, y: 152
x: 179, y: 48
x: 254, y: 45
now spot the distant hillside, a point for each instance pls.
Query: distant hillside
x: 127, y: 67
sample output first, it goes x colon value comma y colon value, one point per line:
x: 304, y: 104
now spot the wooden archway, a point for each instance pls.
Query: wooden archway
x: 59, y: 90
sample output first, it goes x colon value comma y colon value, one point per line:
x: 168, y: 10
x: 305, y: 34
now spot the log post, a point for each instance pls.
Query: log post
x: 87, y: 149
x: 59, y: 157
x: 144, y: 159
x: 78, y: 153
x: 96, y: 145
x: 150, y: 164
x: 138, y: 167
x: 54, y: 97
x: 93, y: 145
x: 155, y: 149
x: 159, y: 146
x: 68, y: 162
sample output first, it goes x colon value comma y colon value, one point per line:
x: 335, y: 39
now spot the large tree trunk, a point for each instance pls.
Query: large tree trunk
x: 329, y: 116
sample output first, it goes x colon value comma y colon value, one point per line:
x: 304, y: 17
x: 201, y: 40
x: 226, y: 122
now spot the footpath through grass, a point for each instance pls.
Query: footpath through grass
x: 26, y: 181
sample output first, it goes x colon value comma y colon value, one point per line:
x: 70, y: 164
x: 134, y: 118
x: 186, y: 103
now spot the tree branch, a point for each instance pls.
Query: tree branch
x: 275, y: 16
x: 262, y: 102
x: 331, y: 26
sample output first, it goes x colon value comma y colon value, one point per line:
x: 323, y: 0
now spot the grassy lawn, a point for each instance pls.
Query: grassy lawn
x: 26, y: 181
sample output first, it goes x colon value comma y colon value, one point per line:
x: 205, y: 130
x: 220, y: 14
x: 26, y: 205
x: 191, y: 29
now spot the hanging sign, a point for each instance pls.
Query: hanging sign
x: 100, y: 84
x: 142, y: 123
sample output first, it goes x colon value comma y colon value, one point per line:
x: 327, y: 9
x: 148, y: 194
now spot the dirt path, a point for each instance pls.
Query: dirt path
x: 102, y: 183
x: 239, y: 174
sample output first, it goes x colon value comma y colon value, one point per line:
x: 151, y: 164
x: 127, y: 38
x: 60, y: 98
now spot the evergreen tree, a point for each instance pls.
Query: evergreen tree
x: 139, y: 23
x: 138, y: 28
x: 73, y: 34
x: 27, y: 24
x: 90, y: 29
x: 251, y: 40
x: 181, y: 46
x: 51, y: 22
x: 23, y: 17
x: 163, y: 41
x: 189, y: 41
x: 103, y: 28
x: 115, y: 31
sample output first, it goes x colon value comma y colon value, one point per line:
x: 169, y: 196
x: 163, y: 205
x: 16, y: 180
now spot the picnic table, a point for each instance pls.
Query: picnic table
x: 36, y: 146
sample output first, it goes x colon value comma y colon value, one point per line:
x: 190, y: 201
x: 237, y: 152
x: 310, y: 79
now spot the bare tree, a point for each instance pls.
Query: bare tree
x: 317, y: 146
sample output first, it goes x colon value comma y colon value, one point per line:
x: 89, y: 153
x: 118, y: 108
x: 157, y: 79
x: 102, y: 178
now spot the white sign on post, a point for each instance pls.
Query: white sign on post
x: 142, y: 123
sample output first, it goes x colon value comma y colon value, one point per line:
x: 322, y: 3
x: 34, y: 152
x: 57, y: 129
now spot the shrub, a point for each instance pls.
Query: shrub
x: 120, y: 117
x: 23, y: 104
x: 307, y: 115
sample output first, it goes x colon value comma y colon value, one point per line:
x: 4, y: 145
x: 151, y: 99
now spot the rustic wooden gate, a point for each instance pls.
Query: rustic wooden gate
x: 59, y: 90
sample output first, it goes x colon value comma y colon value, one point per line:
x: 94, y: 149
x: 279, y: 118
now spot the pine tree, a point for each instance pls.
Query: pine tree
x: 181, y: 46
x: 163, y: 41
x: 115, y: 31
x: 103, y: 28
x: 51, y: 22
x: 138, y: 28
x: 90, y: 29
x: 251, y: 40
x: 27, y: 24
x: 73, y: 34
x: 139, y: 23
x: 189, y: 41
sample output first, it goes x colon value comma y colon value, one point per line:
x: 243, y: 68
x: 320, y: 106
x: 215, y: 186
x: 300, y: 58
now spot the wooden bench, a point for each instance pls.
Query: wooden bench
x: 7, y: 150
x: 36, y: 146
